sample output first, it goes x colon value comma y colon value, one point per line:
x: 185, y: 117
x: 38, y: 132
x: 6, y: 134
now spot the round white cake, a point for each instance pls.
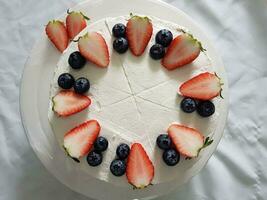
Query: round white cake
x: 134, y: 99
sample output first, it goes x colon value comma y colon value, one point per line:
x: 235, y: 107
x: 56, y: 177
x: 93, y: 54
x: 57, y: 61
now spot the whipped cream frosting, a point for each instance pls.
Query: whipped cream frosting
x: 135, y: 99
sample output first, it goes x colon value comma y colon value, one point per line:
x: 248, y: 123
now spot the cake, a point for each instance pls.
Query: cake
x: 136, y: 97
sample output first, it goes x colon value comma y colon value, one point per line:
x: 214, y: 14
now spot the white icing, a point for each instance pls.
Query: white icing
x: 134, y: 100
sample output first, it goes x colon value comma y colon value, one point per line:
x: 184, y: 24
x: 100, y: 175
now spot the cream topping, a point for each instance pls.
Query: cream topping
x: 134, y: 99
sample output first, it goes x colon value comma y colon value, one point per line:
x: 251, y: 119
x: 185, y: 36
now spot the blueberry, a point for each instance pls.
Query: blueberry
x: 81, y: 85
x: 171, y: 157
x: 157, y: 51
x: 120, y: 45
x: 188, y: 105
x: 205, y: 108
x: 118, y: 167
x: 164, y: 141
x: 65, y: 81
x: 164, y: 37
x: 123, y: 151
x: 94, y: 158
x: 76, y: 60
x: 101, y: 144
x: 119, y: 30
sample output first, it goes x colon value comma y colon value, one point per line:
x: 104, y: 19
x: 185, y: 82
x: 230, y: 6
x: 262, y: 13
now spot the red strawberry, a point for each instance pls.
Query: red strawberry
x: 139, y: 170
x: 138, y: 31
x: 79, y: 140
x: 67, y: 103
x: 57, y: 33
x: 188, y: 141
x: 94, y: 48
x: 75, y: 22
x: 183, y: 50
x: 204, y: 86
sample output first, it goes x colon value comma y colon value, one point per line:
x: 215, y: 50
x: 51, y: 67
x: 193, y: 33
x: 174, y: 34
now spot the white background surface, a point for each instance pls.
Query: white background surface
x: 237, y: 170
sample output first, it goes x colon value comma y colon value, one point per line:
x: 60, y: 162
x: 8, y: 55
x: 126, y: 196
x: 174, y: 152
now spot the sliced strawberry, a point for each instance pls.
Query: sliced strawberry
x: 67, y: 103
x: 139, y: 170
x: 188, y: 141
x: 94, y: 48
x: 57, y: 33
x: 138, y: 31
x: 79, y: 140
x: 75, y: 22
x: 204, y: 86
x: 183, y: 50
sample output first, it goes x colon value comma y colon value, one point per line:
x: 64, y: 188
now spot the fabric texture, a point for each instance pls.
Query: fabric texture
x: 237, y: 170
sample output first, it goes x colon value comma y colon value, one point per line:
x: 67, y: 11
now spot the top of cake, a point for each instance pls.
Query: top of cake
x: 133, y: 99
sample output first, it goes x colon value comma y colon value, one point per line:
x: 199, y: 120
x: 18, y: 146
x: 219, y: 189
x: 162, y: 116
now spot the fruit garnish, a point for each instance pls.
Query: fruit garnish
x: 204, y: 86
x: 101, y: 144
x: 120, y: 45
x: 67, y: 103
x: 94, y: 48
x: 188, y: 141
x: 140, y: 170
x: 57, y: 33
x: 75, y: 22
x: 118, y: 167
x: 123, y: 151
x: 76, y: 60
x: 164, y: 37
x: 171, y: 157
x: 94, y: 158
x: 65, y: 81
x: 188, y: 105
x: 157, y: 51
x: 81, y: 85
x: 164, y: 141
x: 205, y: 108
x: 138, y: 31
x: 119, y: 30
x: 183, y: 50
x: 79, y: 140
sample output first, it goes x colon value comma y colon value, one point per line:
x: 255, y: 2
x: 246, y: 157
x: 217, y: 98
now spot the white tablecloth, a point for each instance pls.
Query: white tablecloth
x: 238, y: 169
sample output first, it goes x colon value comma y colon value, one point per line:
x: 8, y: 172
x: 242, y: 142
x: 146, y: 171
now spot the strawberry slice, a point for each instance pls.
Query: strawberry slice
x: 67, y: 103
x: 183, y: 50
x: 79, y: 140
x: 94, y: 48
x: 139, y: 170
x: 75, y: 22
x: 57, y: 33
x: 138, y: 31
x: 204, y: 86
x: 188, y: 141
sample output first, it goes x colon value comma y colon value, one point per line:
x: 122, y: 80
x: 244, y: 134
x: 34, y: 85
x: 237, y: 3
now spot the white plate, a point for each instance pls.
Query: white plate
x: 34, y: 100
